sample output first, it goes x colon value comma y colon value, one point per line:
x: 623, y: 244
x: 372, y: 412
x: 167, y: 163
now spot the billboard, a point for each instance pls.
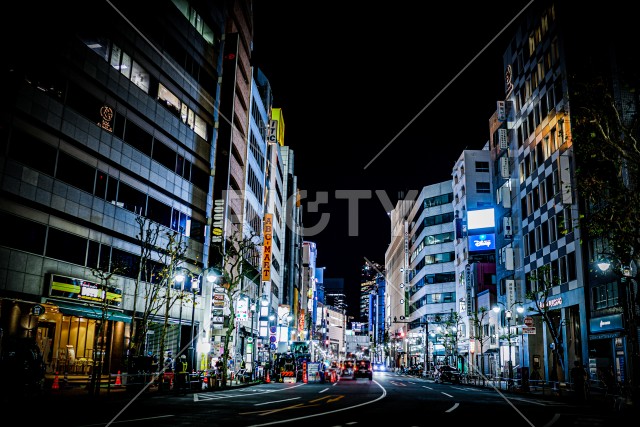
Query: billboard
x: 481, y: 218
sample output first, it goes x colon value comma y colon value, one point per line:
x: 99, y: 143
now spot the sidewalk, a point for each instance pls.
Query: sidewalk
x: 598, y: 399
x: 76, y: 388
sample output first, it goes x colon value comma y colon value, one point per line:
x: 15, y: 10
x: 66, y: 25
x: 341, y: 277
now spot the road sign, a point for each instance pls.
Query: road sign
x: 528, y: 321
x: 531, y: 331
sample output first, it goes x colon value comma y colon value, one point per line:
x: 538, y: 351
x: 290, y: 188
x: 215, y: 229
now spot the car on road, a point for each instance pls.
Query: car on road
x: 347, y: 370
x: 379, y: 367
x: 448, y: 374
x: 362, y: 369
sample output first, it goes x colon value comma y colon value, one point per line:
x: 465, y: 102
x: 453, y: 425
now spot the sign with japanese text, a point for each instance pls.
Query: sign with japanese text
x: 267, y: 237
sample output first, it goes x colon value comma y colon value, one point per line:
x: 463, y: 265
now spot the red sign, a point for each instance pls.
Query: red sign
x: 528, y: 321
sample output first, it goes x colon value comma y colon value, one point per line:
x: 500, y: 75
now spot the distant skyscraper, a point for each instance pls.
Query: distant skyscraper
x: 334, y: 292
x: 367, y: 284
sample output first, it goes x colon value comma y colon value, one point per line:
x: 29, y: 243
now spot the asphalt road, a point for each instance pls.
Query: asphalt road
x: 390, y: 398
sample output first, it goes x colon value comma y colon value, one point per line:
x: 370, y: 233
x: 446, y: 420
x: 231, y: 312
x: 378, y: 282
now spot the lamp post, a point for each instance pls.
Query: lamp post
x: 211, y: 275
x: 180, y: 276
x: 286, y: 316
x: 425, y: 367
x: 508, y: 314
x: 627, y: 349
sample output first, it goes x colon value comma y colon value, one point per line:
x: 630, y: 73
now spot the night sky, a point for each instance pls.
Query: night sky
x: 377, y: 99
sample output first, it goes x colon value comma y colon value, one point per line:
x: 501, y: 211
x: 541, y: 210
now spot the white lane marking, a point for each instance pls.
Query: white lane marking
x: 446, y: 394
x: 382, y: 396
x: 276, y: 401
x: 455, y: 405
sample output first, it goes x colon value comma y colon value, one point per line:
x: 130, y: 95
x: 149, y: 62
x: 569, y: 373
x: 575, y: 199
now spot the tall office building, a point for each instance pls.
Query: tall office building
x: 540, y: 234
x: 368, y: 274
x: 420, y: 270
x: 129, y: 111
x: 475, y: 258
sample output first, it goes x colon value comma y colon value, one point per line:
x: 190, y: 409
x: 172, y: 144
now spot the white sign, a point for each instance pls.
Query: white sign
x: 511, y: 292
x: 531, y: 331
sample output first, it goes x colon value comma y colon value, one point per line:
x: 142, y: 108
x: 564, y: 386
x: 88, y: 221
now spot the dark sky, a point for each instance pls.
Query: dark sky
x: 350, y: 77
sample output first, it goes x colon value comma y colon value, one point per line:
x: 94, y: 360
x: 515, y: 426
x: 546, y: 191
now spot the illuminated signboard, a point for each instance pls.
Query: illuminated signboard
x: 267, y: 234
x: 481, y: 218
x: 83, y: 290
x: 482, y: 242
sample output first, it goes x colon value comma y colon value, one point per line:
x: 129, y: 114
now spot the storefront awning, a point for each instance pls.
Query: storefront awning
x: 92, y: 312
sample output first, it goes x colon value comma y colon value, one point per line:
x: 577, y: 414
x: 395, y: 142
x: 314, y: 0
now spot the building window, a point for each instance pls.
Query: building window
x: 482, y: 167
x: 604, y: 296
x: 483, y: 187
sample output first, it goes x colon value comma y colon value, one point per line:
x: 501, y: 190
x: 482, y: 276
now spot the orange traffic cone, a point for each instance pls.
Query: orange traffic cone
x: 118, y: 380
x: 268, y: 379
x: 56, y: 383
x: 205, y: 383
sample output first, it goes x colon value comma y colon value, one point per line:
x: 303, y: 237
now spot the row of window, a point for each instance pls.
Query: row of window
x: 604, y: 296
x: 434, y: 259
x: 85, y: 103
x: 431, y: 279
x: 433, y: 239
x: 557, y: 272
x: 431, y: 202
x: 548, y: 232
x: 435, y: 298
x: 547, y: 103
x: 78, y: 174
x: 195, y: 20
x: 539, y: 195
x: 123, y: 62
x: 445, y: 218
x: 30, y: 236
x: 542, y: 151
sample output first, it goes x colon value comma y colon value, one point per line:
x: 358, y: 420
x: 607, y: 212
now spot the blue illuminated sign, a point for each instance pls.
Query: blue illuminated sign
x: 611, y: 322
x: 482, y: 242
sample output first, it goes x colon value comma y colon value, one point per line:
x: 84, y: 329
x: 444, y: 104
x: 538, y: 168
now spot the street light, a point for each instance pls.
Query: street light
x: 285, y: 316
x: 606, y: 263
x: 508, y: 314
x: 210, y: 274
x: 179, y: 277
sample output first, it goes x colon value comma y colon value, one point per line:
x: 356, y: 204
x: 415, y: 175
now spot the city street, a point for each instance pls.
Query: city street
x: 409, y: 401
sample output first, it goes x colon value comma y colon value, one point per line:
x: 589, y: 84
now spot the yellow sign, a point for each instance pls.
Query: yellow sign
x: 267, y: 234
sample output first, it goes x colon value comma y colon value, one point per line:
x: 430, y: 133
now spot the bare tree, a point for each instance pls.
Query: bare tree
x: 107, y: 295
x: 477, y: 321
x: 237, y: 265
x: 542, y: 284
x: 145, y: 283
x: 172, y: 259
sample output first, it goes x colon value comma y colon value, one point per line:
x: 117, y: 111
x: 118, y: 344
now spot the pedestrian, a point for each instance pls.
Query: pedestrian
x: 579, y: 379
x: 181, y: 375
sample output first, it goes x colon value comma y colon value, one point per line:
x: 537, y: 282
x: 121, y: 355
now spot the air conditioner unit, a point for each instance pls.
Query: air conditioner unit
x: 502, y: 139
x: 505, y: 196
x: 507, y: 229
